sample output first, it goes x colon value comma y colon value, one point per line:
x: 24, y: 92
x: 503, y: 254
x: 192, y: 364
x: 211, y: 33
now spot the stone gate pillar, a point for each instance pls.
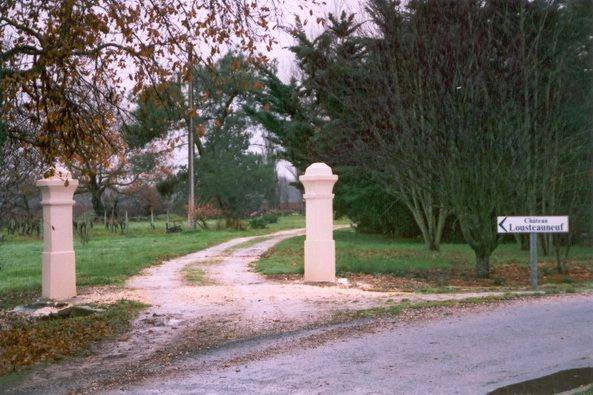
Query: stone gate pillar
x: 58, y: 270
x: 320, y: 249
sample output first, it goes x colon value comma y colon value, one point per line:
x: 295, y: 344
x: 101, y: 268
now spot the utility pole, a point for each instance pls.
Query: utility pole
x: 190, y: 142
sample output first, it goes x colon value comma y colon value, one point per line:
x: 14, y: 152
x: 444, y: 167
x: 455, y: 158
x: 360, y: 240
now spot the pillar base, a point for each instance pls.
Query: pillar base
x: 320, y: 261
x: 58, y: 275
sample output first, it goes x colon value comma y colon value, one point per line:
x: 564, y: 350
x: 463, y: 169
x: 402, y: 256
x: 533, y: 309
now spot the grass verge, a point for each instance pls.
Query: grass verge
x: 25, y: 341
x: 446, y: 270
x: 399, y: 308
x: 587, y: 390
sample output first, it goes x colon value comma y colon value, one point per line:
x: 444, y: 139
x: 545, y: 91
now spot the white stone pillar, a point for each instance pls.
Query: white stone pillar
x: 58, y: 271
x: 320, y: 248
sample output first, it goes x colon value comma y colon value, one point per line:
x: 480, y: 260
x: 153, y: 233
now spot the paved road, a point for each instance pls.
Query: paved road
x: 463, y: 353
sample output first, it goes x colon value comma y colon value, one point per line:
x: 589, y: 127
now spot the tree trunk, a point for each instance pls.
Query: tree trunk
x: 518, y: 239
x: 560, y: 265
x: 482, y: 265
x: 430, y: 223
x: 98, y: 206
x: 561, y: 259
x: 422, y: 225
x: 151, y: 218
x: 442, y: 218
x: 544, y: 244
x: 111, y: 222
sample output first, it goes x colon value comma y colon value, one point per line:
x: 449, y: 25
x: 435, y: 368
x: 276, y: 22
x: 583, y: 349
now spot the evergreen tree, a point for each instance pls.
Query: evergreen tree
x: 231, y: 176
x: 465, y: 107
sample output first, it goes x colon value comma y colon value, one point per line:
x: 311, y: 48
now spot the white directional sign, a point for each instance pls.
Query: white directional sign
x: 551, y: 224
x: 533, y: 225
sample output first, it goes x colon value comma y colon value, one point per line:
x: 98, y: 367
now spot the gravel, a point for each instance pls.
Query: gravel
x: 465, y: 352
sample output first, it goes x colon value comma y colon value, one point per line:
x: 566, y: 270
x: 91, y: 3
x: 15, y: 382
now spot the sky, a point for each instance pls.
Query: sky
x: 281, y: 52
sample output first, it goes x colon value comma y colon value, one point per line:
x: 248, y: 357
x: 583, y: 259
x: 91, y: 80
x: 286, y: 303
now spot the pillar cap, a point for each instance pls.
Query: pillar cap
x: 318, y: 171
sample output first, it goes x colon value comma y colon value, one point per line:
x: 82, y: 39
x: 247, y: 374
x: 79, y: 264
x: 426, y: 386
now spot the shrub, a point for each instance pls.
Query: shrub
x: 270, y: 218
x: 258, y: 223
x: 204, y: 212
x: 499, y: 281
x: 373, y: 210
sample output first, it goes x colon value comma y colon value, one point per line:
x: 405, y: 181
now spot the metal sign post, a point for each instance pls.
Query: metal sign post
x: 533, y: 226
x: 533, y: 259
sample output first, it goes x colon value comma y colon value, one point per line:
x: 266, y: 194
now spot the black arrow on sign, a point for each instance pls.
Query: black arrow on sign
x: 502, y: 222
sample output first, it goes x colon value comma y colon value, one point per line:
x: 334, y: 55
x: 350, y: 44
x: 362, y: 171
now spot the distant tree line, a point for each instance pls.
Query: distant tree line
x: 233, y: 180
x: 446, y: 113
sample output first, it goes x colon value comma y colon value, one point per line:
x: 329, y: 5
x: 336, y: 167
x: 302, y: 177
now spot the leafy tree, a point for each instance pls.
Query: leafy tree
x: 235, y: 179
x: 230, y: 176
x: 465, y: 107
x: 19, y: 170
x: 55, y: 55
x: 122, y: 168
x: 472, y: 85
x: 148, y: 198
x: 221, y: 92
x: 506, y: 136
x: 159, y: 110
x: 331, y: 115
x: 555, y: 121
x: 3, y: 136
x: 289, y: 118
x: 172, y: 190
x: 372, y: 210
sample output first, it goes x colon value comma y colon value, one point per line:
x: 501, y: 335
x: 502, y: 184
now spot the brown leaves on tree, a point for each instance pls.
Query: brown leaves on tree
x: 62, y: 63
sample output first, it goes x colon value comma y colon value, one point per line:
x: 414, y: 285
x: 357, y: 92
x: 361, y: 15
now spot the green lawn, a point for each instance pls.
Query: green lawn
x: 375, y: 254
x: 109, y: 258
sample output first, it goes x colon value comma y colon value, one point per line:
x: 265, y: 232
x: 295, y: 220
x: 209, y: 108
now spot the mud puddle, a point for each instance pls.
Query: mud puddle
x: 563, y: 381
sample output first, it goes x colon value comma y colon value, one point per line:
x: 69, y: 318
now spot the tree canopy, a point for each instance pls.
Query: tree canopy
x: 465, y: 108
x: 59, y: 58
